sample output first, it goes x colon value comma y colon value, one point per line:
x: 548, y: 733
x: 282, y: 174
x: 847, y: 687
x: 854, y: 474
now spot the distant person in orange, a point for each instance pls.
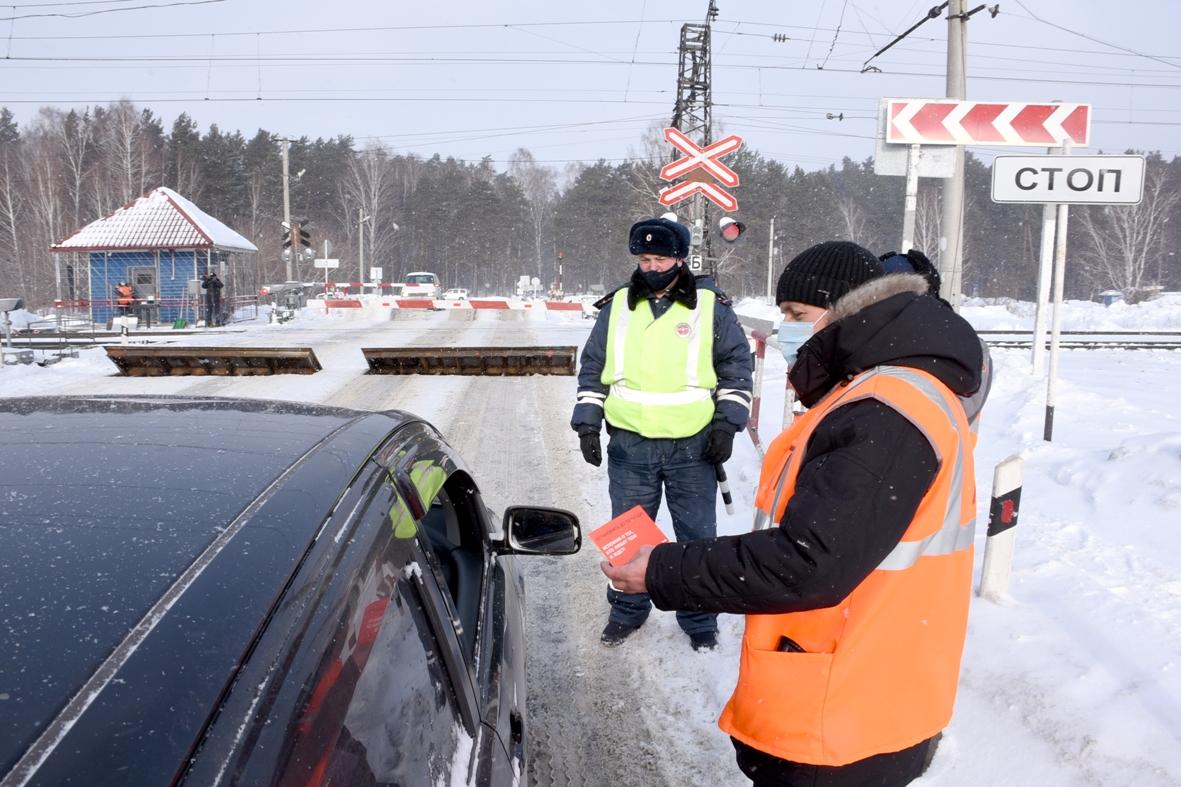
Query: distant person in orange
x: 124, y: 297
x: 857, y: 577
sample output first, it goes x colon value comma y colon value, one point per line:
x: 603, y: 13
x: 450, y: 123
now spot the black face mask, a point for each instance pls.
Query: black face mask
x: 658, y: 280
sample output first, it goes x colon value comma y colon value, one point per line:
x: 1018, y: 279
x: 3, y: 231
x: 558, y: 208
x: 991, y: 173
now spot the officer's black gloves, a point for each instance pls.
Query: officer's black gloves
x: 719, y: 445
x: 592, y: 452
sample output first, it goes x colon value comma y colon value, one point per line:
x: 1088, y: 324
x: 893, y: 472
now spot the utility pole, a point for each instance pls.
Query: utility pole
x: 287, y: 209
x: 771, y: 262
x: 361, y: 247
x: 951, y: 244
x: 692, y: 115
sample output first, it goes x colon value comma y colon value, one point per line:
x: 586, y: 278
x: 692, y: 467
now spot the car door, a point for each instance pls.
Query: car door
x: 478, y: 590
x: 360, y: 677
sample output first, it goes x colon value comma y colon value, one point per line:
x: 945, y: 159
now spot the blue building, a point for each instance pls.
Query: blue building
x: 161, y: 244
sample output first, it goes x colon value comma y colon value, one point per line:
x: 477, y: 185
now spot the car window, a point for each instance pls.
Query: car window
x: 367, y: 686
x: 450, y: 520
x: 455, y: 547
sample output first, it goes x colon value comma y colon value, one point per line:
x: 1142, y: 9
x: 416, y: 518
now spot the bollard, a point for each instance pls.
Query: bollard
x: 1002, y: 523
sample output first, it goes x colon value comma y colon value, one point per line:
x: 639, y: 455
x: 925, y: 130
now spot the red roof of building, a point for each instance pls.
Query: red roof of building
x: 161, y: 219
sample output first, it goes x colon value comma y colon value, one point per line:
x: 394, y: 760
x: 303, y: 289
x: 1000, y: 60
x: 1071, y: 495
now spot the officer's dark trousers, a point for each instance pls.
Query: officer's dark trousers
x: 638, y: 468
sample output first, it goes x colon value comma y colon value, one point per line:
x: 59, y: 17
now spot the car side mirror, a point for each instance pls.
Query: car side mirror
x: 533, y: 530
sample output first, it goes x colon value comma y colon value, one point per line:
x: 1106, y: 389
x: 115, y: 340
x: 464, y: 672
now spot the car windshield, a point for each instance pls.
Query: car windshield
x: 420, y: 278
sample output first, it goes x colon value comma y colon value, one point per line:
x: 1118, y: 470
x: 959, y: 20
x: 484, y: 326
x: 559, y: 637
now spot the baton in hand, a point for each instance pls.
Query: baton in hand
x: 724, y: 487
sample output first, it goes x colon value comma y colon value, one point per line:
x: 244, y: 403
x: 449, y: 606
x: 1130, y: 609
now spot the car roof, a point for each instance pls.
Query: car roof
x: 106, y: 502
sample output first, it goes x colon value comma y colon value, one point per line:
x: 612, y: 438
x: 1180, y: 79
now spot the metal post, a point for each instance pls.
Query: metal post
x: 1056, y: 325
x: 912, y: 198
x: 287, y: 205
x: 951, y: 244
x: 1002, y: 523
x: 1044, y: 274
x: 771, y: 263
x: 360, y: 246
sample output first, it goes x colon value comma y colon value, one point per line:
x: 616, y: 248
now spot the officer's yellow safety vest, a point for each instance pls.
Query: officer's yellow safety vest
x: 660, y: 371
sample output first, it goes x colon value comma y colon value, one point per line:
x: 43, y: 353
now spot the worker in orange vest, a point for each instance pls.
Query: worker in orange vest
x: 124, y: 297
x: 857, y: 577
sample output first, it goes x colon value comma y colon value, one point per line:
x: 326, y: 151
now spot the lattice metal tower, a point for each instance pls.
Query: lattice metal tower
x: 692, y: 115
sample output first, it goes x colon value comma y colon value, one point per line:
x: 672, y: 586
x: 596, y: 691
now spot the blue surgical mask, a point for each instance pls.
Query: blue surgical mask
x: 792, y: 336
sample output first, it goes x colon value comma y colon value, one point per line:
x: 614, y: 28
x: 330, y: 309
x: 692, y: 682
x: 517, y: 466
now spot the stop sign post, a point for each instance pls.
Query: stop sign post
x: 1058, y: 182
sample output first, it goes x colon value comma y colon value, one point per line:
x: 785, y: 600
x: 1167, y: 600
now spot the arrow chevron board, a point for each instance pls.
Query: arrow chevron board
x: 940, y: 122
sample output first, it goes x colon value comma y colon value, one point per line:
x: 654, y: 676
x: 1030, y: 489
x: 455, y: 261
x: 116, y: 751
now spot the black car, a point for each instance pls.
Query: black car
x: 215, y: 591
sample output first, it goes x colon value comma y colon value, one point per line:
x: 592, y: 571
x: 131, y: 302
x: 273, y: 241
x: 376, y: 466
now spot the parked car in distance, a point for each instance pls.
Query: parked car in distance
x: 455, y: 294
x: 219, y: 591
x: 421, y: 284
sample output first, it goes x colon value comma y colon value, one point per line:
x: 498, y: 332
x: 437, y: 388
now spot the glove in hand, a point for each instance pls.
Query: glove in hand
x: 718, y: 447
x: 592, y: 452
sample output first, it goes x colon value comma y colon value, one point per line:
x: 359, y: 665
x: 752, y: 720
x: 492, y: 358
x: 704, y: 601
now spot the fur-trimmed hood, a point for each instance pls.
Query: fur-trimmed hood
x: 889, y: 321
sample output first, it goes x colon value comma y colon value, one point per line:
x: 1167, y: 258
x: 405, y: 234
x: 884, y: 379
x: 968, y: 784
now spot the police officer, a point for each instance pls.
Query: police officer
x: 669, y: 368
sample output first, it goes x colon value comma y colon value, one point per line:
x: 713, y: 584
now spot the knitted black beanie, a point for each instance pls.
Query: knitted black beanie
x: 823, y: 273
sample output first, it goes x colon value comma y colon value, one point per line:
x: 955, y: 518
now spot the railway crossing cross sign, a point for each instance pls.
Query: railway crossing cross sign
x: 705, y: 159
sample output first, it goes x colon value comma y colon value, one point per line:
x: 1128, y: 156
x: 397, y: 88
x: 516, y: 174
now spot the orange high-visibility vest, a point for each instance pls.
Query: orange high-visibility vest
x: 125, y: 295
x: 878, y: 671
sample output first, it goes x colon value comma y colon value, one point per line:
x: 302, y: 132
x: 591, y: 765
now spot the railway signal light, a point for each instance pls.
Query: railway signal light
x: 731, y: 229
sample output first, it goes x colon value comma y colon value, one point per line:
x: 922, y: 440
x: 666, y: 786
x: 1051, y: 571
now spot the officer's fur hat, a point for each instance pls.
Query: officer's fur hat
x: 659, y: 236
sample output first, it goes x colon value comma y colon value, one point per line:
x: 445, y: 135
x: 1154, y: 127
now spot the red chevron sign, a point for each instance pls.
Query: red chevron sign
x: 940, y: 122
x: 695, y: 158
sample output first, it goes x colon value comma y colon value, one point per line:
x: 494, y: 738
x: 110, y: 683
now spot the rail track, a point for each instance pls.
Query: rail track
x: 1089, y: 340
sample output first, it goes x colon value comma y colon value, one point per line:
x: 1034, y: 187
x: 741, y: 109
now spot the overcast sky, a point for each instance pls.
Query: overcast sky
x: 583, y: 81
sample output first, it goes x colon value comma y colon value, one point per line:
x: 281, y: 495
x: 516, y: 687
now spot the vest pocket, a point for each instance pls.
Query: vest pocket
x: 778, y: 705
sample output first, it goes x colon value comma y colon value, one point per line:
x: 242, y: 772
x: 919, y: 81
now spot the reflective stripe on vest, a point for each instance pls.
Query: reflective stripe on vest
x: 660, y: 370
x: 953, y: 536
x: 877, y: 672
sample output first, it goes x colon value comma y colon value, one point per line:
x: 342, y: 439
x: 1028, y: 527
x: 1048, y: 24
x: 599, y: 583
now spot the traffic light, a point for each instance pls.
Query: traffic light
x: 731, y: 229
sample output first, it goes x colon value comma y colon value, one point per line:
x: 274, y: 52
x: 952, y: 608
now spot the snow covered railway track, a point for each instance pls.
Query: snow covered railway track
x: 1088, y: 340
x: 1087, y: 344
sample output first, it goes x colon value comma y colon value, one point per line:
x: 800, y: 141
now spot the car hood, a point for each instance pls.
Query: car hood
x: 106, y: 501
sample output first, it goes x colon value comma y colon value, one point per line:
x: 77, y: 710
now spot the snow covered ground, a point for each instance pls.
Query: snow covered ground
x: 1074, y: 678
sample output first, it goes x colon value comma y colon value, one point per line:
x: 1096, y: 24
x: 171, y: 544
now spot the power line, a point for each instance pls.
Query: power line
x: 1092, y: 38
x: 76, y: 2
x: 80, y: 14
x: 835, y: 36
x: 370, y: 29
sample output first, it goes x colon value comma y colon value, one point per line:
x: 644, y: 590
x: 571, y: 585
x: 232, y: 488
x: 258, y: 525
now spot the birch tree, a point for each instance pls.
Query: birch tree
x: 1124, y: 243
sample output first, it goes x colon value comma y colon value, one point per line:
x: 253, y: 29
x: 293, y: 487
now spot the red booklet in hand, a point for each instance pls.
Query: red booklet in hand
x: 620, y: 539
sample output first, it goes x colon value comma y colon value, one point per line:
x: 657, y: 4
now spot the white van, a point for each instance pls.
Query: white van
x: 421, y: 284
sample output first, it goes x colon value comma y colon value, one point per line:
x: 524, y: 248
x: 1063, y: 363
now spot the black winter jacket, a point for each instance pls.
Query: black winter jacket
x: 866, y: 467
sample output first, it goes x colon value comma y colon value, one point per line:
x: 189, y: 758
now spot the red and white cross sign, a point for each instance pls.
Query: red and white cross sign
x: 704, y: 158
x: 943, y: 122
x: 712, y: 191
